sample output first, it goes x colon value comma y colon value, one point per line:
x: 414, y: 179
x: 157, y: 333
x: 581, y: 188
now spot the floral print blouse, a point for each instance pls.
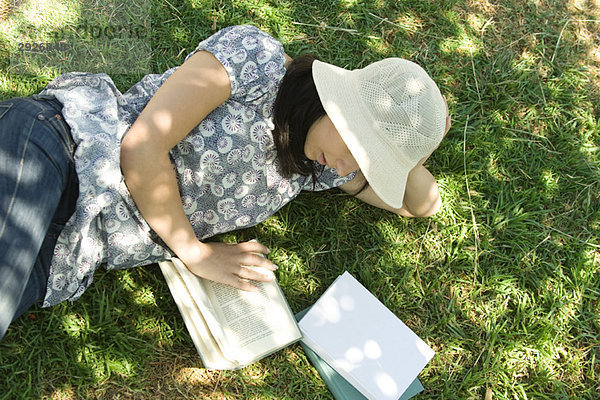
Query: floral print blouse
x: 227, y: 167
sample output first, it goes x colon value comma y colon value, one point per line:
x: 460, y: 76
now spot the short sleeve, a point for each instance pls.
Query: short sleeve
x: 254, y: 61
x: 327, y: 179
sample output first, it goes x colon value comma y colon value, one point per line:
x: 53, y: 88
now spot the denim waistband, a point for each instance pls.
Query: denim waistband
x: 50, y: 100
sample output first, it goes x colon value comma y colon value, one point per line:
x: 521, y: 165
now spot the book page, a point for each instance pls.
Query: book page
x: 255, y: 323
x: 194, y: 286
x: 363, y: 341
x: 207, y: 347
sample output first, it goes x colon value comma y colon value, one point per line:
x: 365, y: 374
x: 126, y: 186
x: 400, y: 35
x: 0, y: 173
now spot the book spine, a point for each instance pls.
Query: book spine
x: 323, y: 354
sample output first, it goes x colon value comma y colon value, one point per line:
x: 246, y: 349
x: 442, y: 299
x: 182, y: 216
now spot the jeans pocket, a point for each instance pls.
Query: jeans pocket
x: 4, y: 107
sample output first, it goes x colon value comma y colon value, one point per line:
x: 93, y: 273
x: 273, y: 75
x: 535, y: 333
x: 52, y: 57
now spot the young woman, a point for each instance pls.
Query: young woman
x: 90, y: 176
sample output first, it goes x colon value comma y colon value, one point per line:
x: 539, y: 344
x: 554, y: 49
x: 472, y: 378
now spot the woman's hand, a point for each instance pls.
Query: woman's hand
x: 232, y: 264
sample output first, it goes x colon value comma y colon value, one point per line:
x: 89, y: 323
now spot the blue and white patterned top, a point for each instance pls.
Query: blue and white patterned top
x: 227, y: 166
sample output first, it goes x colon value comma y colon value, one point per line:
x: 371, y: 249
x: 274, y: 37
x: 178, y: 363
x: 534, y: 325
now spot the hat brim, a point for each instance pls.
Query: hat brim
x: 384, y: 169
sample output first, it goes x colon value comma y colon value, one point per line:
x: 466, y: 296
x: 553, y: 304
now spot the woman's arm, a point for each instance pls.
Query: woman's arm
x: 194, y: 90
x: 421, y: 197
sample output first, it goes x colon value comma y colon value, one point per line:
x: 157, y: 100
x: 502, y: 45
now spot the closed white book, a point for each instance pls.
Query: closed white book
x: 364, y: 341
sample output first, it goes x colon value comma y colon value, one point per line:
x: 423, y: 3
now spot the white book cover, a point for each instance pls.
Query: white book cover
x: 364, y: 341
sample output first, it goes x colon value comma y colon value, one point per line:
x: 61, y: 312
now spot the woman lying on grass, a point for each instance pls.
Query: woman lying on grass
x: 90, y: 176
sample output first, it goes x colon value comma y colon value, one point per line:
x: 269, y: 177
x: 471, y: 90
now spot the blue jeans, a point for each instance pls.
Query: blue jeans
x: 38, y: 191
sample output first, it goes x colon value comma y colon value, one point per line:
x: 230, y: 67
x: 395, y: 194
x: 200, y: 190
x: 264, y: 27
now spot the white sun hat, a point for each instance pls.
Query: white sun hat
x: 390, y: 114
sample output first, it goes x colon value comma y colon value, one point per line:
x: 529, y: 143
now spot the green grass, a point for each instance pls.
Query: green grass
x: 503, y: 283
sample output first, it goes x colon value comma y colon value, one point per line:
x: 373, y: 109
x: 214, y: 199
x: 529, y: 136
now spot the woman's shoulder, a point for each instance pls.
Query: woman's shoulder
x: 254, y: 61
x: 232, y: 40
x: 234, y: 32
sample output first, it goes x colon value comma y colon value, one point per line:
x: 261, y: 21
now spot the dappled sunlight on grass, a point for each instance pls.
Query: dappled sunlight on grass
x: 392, y: 233
x: 463, y: 44
x: 483, y: 6
x: 379, y: 45
x: 493, y: 169
x: 44, y: 13
x: 478, y: 22
x: 194, y: 376
x: 349, y: 3
x: 34, y: 20
x: 74, y: 325
x: 409, y: 23
x: 46, y: 38
x: 65, y: 393
x: 144, y: 297
x: 549, y: 181
x: 255, y: 373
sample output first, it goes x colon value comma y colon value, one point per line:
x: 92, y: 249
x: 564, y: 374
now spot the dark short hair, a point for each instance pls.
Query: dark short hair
x: 296, y: 108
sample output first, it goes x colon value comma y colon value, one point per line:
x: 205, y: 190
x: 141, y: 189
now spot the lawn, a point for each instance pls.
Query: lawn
x: 503, y: 283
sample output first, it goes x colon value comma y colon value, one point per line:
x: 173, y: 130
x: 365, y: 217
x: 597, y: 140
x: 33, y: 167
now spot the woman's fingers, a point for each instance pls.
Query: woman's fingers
x: 255, y: 260
x: 253, y: 247
x: 247, y: 275
x: 245, y: 285
x: 254, y: 254
x: 255, y: 274
x: 235, y: 264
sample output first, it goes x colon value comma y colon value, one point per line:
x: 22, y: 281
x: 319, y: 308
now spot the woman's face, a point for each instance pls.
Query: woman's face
x: 324, y: 145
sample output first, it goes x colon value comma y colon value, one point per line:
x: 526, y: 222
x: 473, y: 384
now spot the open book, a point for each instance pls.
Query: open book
x: 231, y: 328
x: 364, y: 341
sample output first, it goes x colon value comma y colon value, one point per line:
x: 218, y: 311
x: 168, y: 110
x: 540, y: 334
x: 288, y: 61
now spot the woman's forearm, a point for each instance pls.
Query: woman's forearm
x: 153, y: 185
x: 195, y: 89
x: 422, y: 195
